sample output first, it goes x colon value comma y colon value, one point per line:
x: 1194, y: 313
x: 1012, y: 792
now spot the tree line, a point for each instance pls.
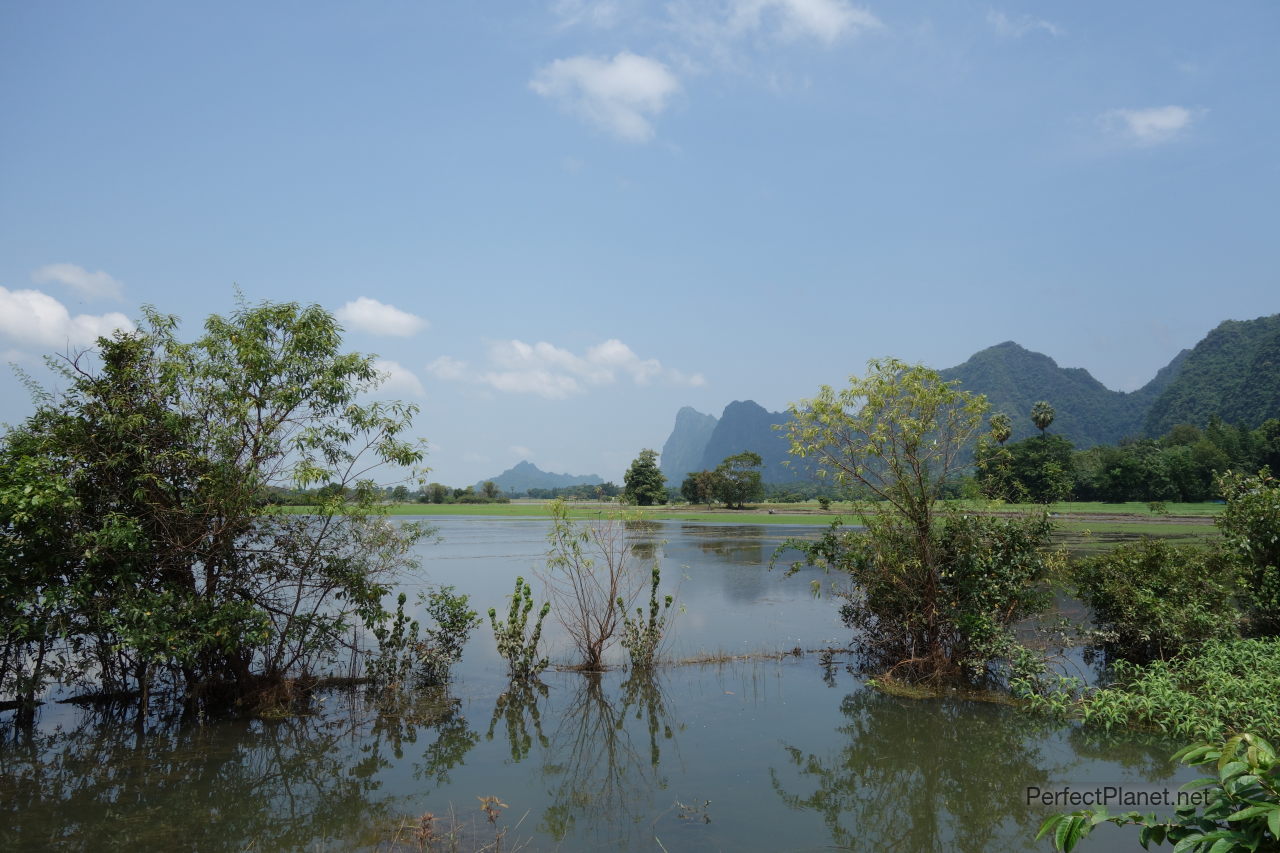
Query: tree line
x: 1180, y: 466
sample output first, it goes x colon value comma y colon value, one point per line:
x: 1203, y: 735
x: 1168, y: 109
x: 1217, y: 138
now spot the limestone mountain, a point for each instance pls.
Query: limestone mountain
x: 682, y: 452
x: 525, y: 475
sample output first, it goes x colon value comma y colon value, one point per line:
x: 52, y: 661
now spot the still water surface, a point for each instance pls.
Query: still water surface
x: 782, y: 754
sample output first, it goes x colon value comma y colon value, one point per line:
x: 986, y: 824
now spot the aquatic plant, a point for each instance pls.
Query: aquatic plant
x: 520, y: 651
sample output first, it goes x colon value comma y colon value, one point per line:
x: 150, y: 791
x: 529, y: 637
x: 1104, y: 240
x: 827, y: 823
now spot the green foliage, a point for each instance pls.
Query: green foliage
x: 1037, y: 470
x: 737, y: 479
x: 1001, y: 427
x: 700, y: 487
x: 1241, y: 812
x: 1231, y: 373
x: 137, y: 543
x: 1222, y: 686
x: 643, y: 635
x: 452, y: 622
x: 589, y: 569
x: 988, y: 575
x: 1151, y: 600
x: 644, y: 484
x: 1251, y: 531
x: 1042, y: 415
x: 929, y: 600
x: 515, y: 643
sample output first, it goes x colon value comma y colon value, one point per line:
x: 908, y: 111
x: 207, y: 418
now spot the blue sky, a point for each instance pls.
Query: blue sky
x: 558, y: 222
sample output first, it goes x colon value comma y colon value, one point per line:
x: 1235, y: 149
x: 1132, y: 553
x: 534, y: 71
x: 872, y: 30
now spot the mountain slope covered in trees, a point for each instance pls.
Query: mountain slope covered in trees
x: 1233, y: 373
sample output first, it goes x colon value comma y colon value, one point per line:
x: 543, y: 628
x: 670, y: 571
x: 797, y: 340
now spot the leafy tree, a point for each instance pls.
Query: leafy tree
x: 737, y: 479
x: 700, y: 487
x: 137, y: 548
x: 1251, y: 531
x: 489, y: 489
x: 593, y: 581
x: 931, y: 600
x: 1042, y: 415
x: 644, y: 483
x: 1001, y: 427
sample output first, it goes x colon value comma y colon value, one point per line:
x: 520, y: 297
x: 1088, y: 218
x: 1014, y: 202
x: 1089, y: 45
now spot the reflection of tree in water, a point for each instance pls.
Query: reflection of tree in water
x: 279, y: 784
x: 520, y: 699
x: 602, y: 760
x: 947, y: 775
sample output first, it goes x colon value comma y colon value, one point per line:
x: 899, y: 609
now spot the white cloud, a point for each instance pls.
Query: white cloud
x: 91, y: 285
x: 555, y: 373
x: 1019, y: 26
x: 33, y: 317
x: 521, y: 451
x: 377, y: 318
x: 445, y: 367
x: 601, y: 14
x: 1149, y: 126
x: 620, y: 95
x: 825, y: 20
x: 397, y: 379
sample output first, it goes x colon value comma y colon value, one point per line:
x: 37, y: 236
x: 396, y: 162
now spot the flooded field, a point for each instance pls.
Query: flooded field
x: 774, y: 751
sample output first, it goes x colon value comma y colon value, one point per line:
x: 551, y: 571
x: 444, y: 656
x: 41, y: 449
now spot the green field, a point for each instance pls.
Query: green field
x: 1083, y: 527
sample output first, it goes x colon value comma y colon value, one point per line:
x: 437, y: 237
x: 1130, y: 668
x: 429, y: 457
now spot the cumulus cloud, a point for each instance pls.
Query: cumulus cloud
x: 825, y: 20
x: 1021, y: 25
x: 378, y: 318
x: 1149, y: 126
x: 31, y: 317
x: 445, y: 367
x: 620, y: 95
x: 555, y: 373
x: 91, y: 285
x: 397, y: 379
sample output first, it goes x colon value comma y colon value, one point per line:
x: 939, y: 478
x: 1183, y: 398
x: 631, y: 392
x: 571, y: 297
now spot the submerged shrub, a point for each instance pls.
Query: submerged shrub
x: 1251, y: 532
x: 643, y: 635
x: 520, y: 651
x: 408, y: 654
x: 1151, y: 600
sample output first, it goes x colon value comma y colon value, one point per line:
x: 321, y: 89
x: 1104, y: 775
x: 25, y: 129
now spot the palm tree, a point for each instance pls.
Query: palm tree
x: 1001, y: 427
x: 1042, y: 415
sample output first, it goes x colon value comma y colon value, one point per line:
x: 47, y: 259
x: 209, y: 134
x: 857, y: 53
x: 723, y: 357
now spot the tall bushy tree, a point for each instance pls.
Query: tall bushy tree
x: 644, y: 481
x: 737, y: 479
x: 931, y: 600
x: 136, y: 544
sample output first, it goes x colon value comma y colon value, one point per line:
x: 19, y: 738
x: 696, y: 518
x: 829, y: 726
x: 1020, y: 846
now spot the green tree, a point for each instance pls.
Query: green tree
x: 930, y: 600
x: 1001, y: 427
x: 1042, y: 415
x: 737, y: 479
x: 137, y: 548
x: 644, y: 483
x: 699, y: 487
x: 1251, y: 532
x: 489, y: 489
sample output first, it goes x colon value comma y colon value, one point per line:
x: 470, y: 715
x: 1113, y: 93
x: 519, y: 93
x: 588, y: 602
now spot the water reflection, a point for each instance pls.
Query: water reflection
x: 898, y: 782
x: 602, y: 761
x: 298, y: 782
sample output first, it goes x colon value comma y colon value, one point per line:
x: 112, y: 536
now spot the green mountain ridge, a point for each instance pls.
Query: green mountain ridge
x: 1233, y: 373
